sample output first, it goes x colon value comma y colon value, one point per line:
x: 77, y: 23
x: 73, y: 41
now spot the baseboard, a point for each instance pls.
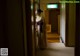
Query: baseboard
x: 69, y: 45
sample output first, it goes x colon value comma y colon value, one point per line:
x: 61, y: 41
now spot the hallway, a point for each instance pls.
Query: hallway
x: 53, y: 38
x: 56, y: 49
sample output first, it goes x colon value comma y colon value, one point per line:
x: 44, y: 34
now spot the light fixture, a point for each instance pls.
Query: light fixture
x: 52, y: 5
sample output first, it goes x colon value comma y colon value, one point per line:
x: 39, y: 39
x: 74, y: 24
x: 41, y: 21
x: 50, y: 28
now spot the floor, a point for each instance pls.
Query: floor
x: 56, y: 49
x: 53, y: 37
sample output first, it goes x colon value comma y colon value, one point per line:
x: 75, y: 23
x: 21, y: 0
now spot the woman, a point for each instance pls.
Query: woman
x: 41, y: 30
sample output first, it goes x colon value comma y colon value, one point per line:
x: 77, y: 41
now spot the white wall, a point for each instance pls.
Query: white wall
x: 62, y: 22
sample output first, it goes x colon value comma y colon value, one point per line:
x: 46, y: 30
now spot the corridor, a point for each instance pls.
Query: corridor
x: 56, y: 49
x: 53, y: 38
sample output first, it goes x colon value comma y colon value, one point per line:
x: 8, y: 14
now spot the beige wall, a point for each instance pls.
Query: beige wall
x: 71, y: 26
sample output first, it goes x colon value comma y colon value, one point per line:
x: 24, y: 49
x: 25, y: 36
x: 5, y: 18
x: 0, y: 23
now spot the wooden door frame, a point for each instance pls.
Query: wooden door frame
x: 29, y: 38
x: 77, y: 39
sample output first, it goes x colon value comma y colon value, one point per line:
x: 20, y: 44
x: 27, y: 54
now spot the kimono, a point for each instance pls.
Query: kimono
x: 42, y: 43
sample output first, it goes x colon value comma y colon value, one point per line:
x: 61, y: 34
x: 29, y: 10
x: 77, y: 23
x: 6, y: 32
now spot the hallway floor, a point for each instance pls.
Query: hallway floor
x: 53, y: 38
x: 56, y: 49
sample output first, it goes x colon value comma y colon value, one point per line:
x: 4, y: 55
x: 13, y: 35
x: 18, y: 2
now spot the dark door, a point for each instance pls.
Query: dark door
x: 53, y: 20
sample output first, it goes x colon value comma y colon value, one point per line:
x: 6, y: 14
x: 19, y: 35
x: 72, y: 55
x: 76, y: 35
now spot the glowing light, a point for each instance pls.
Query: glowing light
x: 52, y: 6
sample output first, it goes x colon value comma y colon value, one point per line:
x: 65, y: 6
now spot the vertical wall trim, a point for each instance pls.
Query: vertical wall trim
x: 67, y: 18
x: 24, y: 27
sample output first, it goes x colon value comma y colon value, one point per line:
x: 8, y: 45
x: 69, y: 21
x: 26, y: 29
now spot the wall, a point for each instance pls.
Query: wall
x: 24, y: 27
x: 71, y: 25
x: 18, y: 28
x: 67, y: 24
x: 77, y: 39
x: 3, y: 39
x: 15, y: 33
x: 14, y: 27
x: 63, y: 22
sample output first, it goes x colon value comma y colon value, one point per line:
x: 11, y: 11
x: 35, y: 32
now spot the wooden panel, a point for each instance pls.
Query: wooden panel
x: 53, y: 20
x: 48, y: 28
x: 46, y: 16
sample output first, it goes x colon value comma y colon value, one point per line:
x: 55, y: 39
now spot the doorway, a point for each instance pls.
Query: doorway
x: 53, y: 24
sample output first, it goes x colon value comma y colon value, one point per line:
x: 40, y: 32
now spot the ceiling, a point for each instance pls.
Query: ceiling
x: 47, y: 1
